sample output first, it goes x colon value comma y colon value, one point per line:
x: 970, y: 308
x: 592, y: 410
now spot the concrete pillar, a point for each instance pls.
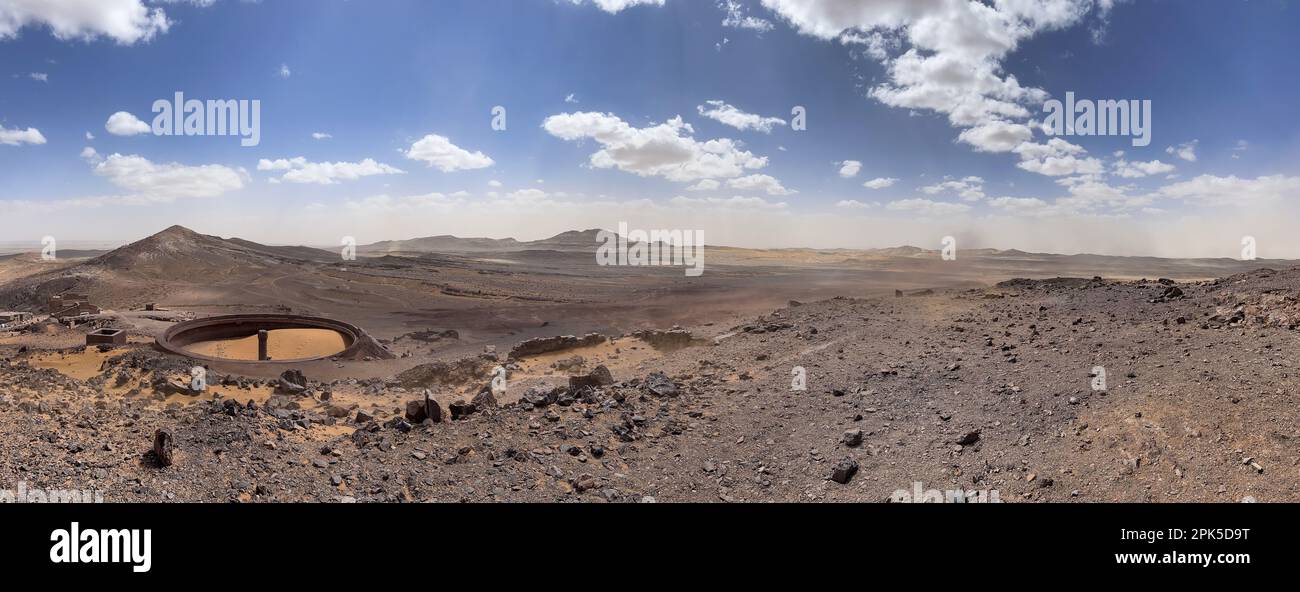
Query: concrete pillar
x: 261, y: 346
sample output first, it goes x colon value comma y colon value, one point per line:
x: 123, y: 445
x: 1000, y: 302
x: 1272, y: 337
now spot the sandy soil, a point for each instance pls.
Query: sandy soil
x: 954, y: 382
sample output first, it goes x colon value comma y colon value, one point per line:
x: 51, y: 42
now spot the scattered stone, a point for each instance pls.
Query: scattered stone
x: 162, y: 447
x: 844, y: 470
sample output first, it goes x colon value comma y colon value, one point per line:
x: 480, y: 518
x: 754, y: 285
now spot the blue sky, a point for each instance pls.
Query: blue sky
x: 380, y: 77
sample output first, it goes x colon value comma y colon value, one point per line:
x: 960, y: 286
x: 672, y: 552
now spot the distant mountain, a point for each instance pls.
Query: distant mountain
x: 440, y: 244
x: 176, y: 254
x: 573, y: 240
x: 179, y: 252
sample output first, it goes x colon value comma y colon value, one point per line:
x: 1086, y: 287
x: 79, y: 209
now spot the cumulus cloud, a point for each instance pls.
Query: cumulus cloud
x: 1185, y: 151
x: 968, y: 188
x: 1232, y: 190
x: 736, y: 17
x: 613, y: 6
x: 126, y: 124
x: 300, y: 170
x: 926, y: 207
x: 1057, y: 158
x: 666, y: 150
x: 705, y: 185
x: 1133, y: 170
x: 766, y: 183
x: 880, y: 183
x: 728, y: 115
x: 150, y: 182
x: 1019, y: 205
x: 321, y: 136
x: 437, y: 151
x: 945, y: 56
x: 14, y: 137
x: 850, y: 168
x: 855, y: 204
x: 735, y: 201
x: 996, y: 136
x: 124, y: 21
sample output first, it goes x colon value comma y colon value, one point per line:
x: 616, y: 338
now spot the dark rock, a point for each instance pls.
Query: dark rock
x: 418, y: 410
x: 844, y: 470
x: 541, y: 397
x: 599, y: 376
x: 292, y: 382
x: 484, y: 400
x: 969, y: 438
x: 162, y: 447
x: 852, y: 438
x: 660, y: 385
x: 460, y: 409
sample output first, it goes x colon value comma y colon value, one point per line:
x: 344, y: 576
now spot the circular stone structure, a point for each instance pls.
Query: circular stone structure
x: 177, y: 339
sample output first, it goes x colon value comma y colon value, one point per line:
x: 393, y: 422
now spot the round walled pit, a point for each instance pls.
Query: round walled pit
x: 288, y: 339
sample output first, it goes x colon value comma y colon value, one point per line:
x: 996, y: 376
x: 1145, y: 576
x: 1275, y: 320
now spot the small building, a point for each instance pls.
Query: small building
x: 80, y: 309
x: 14, y: 319
x: 106, y: 336
x: 65, y: 300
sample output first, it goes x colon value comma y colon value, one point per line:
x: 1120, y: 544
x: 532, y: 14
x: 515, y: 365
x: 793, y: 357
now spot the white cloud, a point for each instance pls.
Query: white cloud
x: 737, y: 201
x: 1133, y: 170
x: 494, y: 183
x: 951, y: 60
x: 855, y: 204
x: 126, y: 124
x: 300, y: 170
x: 968, y: 188
x: 571, y: 98
x: 666, y: 150
x: 729, y: 115
x: 284, y: 71
x: 1185, y: 151
x: 39, y: 76
x: 613, y: 6
x: 1231, y: 190
x: 850, y: 168
x: 926, y: 207
x: 90, y: 136
x: 123, y: 21
x: 1057, y: 158
x: 90, y: 155
x: 704, y: 185
x: 738, y: 19
x: 1019, y: 205
x: 14, y: 137
x: 321, y: 136
x: 150, y: 182
x: 880, y: 183
x: 437, y: 151
x: 765, y: 183
x: 996, y: 136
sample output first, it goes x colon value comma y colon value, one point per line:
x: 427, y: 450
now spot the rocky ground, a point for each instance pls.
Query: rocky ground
x: 986, y: 390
